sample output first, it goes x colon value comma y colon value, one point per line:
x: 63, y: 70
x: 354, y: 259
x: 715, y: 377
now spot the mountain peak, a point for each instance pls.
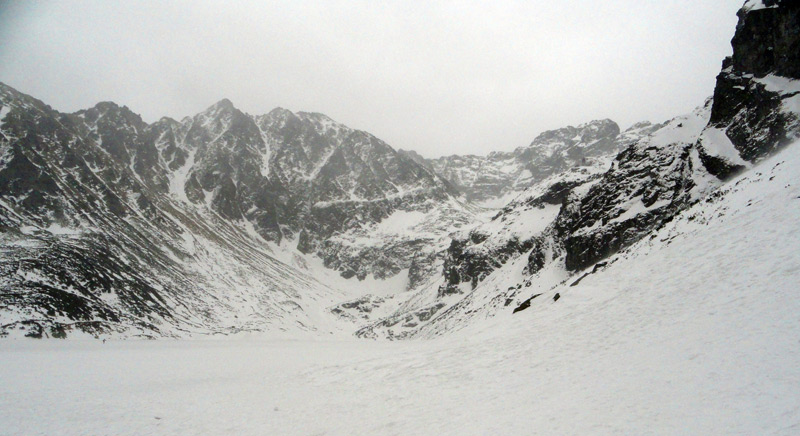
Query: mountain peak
x: 223, y: 104
x: 112, y: 112
x: 221, y: 109
x: 314, y: 116
x: 592, y: 130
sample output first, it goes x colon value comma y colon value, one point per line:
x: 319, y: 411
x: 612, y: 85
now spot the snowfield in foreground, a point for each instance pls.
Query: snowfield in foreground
x: 693, y: 331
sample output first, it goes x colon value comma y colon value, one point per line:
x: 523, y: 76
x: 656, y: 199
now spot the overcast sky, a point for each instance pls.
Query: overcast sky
x: 436, y: 77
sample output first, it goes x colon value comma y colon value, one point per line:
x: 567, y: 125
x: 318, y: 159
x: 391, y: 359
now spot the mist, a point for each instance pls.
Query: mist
x: 436, y: 77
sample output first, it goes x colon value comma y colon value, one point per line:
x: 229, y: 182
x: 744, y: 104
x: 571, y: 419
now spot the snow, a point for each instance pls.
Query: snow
x: 681, y: 130
x: 690, y: 332
x: 754, y: 5
x: 400, y: 222
x: 4, y: 110
x: 350, y: 288
x: 382, y: 287
x: 716, y: 143
x: 28, y: 230
x: 704, y: 182
x: 779, y: 84
x: 523, y: 224
x: 635, y: 207
x: 320, y: 164
x: 177, y: 181
x: 58, y: 229
x: 789, y: 88
x: 267, y: 152
x: 499, y: 201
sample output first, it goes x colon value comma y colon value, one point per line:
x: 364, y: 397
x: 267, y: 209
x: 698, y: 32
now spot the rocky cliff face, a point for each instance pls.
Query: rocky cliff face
x: 91, y: 242
x: 654, y: 178
x: 659, y: 175
x: 344, y: 181
x: 755, y: 100
x: 748, y: 118
x: 496, y: 179
x: 518, y: 226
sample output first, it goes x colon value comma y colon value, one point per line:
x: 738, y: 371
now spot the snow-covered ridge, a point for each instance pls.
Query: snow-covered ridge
x: 199, y: 201
x: 493, y: 180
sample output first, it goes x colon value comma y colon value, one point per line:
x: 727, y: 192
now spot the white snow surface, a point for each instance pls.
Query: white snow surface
x: 693, y: 331
x: 754, y: 5
x: 716, y: 143
x: 400, y: 222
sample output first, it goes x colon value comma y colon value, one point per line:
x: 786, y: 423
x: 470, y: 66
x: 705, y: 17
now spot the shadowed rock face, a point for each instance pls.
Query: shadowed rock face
x: 766, y: 39
x: 596, y: 226
x: 757, y: 116
x: 577, y: 156
x: 749, y: 110
x: 474, y: 255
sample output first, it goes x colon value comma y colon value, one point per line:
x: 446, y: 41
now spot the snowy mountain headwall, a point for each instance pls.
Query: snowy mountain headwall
x: 753, y: 113
x: 497, y: 178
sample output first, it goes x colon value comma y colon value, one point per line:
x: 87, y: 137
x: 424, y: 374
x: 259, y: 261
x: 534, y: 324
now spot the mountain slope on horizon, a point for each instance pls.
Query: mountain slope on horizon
x: 497, y: 178
x: 112, y: 225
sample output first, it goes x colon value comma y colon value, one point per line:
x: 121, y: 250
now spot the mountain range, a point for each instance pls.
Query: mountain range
x: 226, y: 222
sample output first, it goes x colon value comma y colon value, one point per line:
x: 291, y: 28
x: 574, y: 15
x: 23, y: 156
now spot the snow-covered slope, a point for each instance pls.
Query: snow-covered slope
x: 561, y: 160
x: 718, y: 227
x: 660, y: 179
x: 692, y: 331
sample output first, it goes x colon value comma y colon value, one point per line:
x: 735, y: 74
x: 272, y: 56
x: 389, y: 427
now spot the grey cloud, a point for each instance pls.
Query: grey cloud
x: 436, y: 77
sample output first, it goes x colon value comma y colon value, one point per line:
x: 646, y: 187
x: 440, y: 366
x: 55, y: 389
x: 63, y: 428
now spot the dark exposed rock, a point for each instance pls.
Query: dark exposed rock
x: 525, y: 304
x: 663, y: 176
x: 721, y: 168
x: 404, y: 320
x: 766, y: 43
